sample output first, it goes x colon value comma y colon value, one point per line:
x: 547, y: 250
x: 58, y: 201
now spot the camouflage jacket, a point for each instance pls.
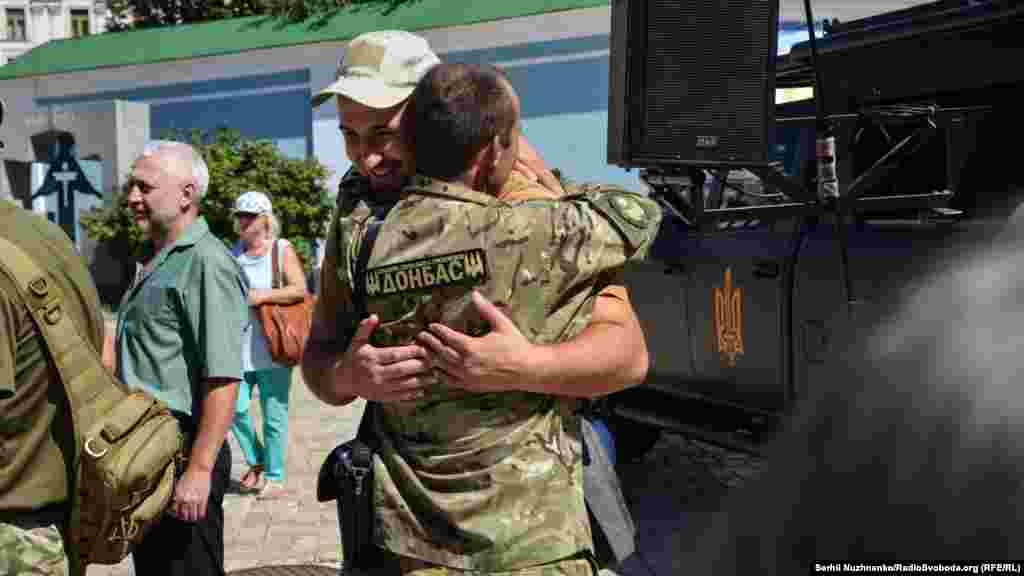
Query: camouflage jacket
x: 484, y: 481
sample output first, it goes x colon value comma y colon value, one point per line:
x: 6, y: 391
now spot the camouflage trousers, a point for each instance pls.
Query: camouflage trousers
x: 575, y: 566
x: 32, y: 549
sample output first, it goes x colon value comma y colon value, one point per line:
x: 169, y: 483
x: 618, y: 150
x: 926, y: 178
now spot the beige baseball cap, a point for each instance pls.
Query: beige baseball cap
x: 380, y: 69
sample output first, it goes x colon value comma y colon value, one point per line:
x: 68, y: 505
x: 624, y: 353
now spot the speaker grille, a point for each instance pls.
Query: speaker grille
x: 709, y: 78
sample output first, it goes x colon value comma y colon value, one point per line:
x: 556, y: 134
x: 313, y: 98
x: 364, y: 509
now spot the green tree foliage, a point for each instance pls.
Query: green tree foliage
x: 296, y: 188
x: 137, y: 14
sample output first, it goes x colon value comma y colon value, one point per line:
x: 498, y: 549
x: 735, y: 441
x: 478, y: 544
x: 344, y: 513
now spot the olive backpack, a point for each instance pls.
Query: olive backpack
x: 127, y: 443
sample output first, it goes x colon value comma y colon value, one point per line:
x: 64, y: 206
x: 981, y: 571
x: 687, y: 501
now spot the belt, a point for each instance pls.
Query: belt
x: 28, y: 519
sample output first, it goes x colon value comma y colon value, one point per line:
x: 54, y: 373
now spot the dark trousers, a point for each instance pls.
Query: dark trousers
x: 177, y: 548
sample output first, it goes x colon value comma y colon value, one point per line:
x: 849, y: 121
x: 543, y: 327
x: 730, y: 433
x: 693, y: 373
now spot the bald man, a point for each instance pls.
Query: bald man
x: 179, y: 337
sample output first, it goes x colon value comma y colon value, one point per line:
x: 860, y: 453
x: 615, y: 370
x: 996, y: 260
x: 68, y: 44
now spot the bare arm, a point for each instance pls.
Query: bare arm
x: 218, y: 410
x: 321, y: 361
x: 108, y: 354
x: 294, y: 288
x: 219, y: 288
x: 532, y: 166
x: 192, y: 490
x: 337, y: 370
x: 609, y: 355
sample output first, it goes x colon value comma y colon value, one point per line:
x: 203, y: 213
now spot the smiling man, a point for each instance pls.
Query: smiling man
x: 179, y: 337
x: 377, y: 76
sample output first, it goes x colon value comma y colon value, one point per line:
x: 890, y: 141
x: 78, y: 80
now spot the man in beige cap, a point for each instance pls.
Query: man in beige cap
x: 378, y: 73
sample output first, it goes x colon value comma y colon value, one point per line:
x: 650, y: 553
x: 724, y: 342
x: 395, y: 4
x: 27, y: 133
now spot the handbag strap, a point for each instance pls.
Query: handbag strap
x: 85, y: 379
x: 275, y: 272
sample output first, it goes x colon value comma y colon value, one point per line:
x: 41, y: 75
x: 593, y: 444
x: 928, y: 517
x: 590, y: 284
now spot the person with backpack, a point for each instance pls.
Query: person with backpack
x: 36, y: 438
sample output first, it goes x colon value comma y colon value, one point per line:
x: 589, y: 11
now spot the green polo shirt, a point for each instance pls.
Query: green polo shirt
x: 181, y: 322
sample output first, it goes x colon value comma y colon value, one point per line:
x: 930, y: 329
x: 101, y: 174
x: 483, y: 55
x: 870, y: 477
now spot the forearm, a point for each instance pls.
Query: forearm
x: 609, y: 355
x: 218, y: 410
x: 286, y: 295
x: 324, y: 373
x: 109, y: 354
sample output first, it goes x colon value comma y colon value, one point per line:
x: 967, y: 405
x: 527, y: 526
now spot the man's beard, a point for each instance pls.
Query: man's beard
x: 391, y: 181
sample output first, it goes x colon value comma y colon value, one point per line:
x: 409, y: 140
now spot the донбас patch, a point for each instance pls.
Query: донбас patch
x: 455, y: 269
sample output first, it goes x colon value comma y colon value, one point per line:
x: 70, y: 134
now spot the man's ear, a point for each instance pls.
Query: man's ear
x: 482, y: 167
x: 188, y: 195
x: 497, y: 152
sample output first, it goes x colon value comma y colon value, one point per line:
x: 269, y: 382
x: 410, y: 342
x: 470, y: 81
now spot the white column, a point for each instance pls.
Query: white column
x: 37, y: 24
x: 98, y: 19
x: 58, y: 22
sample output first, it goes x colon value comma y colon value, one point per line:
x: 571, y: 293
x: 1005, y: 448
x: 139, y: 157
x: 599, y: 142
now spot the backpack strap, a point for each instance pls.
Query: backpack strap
x: 91, y: 391
x: 86, y: 381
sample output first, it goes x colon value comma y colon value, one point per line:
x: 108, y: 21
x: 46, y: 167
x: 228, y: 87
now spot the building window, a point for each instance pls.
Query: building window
x: 16, y: 25
x: 79, y: 23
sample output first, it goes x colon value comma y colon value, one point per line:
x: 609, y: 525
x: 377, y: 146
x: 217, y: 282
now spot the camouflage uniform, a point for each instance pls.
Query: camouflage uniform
x: 36, y: 444
x: 483, y: 482
x: 32, y: 550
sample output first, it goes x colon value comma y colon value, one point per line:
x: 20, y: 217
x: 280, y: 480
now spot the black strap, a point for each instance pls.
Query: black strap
x: 359, y: 288
x: 365, y: 432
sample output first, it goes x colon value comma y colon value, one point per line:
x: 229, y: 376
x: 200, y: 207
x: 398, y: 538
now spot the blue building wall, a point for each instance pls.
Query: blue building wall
x: 563, y: 86
x: 259, y: 106
x: 563, y: 89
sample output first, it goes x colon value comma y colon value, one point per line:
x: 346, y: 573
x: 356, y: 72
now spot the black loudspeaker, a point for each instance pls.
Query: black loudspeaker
x: 692, y: 82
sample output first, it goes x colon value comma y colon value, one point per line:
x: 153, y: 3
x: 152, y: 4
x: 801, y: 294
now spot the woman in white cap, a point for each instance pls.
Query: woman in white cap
x: 258, y: 232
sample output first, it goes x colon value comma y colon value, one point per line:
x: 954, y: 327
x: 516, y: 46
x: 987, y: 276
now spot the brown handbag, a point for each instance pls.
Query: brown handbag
x: 286, y: 325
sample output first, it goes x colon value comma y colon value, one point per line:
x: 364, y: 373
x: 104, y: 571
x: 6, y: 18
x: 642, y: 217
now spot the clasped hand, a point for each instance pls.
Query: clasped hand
x: 503, y: 359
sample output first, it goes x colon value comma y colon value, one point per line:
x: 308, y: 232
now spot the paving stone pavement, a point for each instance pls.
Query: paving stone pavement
x: 295, y: 529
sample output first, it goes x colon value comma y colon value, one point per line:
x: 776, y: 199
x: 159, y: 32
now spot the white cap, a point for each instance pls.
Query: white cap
x: 380, y: 69
x: 253, y: 203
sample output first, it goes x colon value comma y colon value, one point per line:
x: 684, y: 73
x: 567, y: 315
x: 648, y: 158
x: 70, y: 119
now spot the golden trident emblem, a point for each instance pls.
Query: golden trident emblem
x: 728, y: 321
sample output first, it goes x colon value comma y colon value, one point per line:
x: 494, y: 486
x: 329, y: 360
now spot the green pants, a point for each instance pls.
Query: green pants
x: 271, y: 452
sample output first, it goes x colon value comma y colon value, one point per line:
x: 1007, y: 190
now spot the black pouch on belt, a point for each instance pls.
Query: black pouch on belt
x: 347, y: 476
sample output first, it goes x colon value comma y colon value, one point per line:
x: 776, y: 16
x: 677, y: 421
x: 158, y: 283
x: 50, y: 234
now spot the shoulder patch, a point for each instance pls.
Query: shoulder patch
x: 635, y: 217
x: 629, y: 209
x: 468, y: 268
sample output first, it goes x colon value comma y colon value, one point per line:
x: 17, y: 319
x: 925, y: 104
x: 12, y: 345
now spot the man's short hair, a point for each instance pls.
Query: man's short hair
x: 190, y: 155
x: 455, y: 112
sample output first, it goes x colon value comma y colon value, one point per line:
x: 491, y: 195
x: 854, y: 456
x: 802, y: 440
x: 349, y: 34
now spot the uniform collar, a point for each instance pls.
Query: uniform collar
x: 454, y: 190
x: 195, y: 232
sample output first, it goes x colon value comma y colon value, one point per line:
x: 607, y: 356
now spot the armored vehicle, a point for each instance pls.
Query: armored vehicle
x: 750, y: 284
